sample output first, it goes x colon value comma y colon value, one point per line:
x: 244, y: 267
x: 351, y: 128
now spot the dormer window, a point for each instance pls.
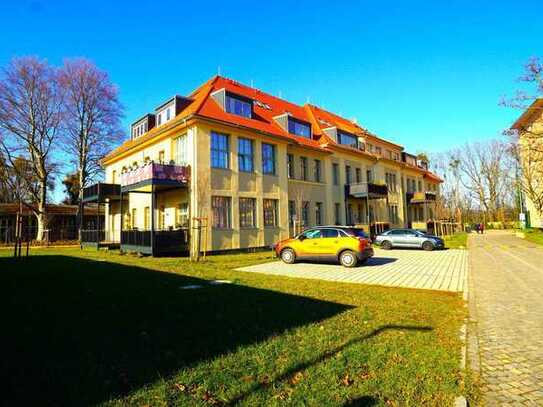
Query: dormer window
x: 299, y: 128
x: 239, y: 105
x: 347, y: 139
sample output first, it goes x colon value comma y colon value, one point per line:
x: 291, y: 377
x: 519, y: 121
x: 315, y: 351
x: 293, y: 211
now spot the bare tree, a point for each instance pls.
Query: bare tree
x: 527, y: 140
x: 92, y: 115
x: 485, y: 174
x: 30, y: 121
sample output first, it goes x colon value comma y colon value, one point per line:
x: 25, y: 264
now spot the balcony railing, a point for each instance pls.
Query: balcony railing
x: 420, y: 197
x: 100, y: 191
x: 165, y: 241
x: 156, y: 173
x: 366, y: 190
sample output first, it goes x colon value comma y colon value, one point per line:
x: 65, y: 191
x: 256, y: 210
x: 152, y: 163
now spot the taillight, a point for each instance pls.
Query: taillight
x: 363, y: 242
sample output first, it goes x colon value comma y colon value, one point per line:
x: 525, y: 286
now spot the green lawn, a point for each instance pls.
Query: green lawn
x: 534, y: 235
x: 457, y: 241
x: 90, y: 327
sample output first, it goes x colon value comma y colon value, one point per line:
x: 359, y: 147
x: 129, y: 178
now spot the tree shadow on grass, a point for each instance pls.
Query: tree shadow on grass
x: 323, y: 357
x: 79, y: 332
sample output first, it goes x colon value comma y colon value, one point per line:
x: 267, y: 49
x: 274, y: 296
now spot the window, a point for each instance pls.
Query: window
x: 219, y: 150
x: 221, y: 212
x: 167, y: 114
x: 312, y: 234
x: 299, y: 128
x: 113, y: 177
x: 305, y: 213
x: 347, y: 139
x: 159, y: 119
x: 161, y: 217
x: 317, y: 170
x: 291, y: 212
x: 378, y: 150
x: 268, y: 159
x: 369, y: 176
x: 348, y: 174
x: 161, y: 156
x: 358, y: 176
x: 270, y: 212
x: 318, y: 213
x: 290, y: 165
x: 133, y: 218
x: 182, y: 150
x: 337, y: 214
x: 335, y: 173
x: 420, y: 186
x: 330, y: 233
x: 360, y: 215
x: 349, y: 214
x: 393, y: 214
x: 146, y: 218
x: 182, y: 215
x: 391, y: 181
x: 303, y: 168
x: 240, y: 106
x: 247, y: 212
x: 245, y: 154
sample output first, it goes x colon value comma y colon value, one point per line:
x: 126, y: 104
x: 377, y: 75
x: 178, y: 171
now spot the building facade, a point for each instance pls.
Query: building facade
x: 529, y: 128
x: 250, y: 169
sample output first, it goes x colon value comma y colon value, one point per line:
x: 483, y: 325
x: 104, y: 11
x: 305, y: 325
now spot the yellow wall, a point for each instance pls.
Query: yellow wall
x: 207, y: 182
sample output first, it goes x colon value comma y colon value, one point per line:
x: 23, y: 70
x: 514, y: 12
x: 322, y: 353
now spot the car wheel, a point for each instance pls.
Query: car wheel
x: 348, y: 259
x: 428, y: 246
x: 288, y: 256
x: 386, y: 245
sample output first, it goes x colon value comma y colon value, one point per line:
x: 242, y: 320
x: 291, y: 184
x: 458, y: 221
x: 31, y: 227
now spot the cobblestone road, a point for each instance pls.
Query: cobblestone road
x: 507, y: 305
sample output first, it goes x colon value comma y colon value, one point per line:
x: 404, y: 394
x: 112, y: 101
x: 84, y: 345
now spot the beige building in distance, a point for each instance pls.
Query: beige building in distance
x: 529, y: 127
x: 250, y: 169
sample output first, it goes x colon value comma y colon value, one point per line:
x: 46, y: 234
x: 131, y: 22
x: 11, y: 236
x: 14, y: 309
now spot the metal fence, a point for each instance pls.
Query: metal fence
x: 29, y: 233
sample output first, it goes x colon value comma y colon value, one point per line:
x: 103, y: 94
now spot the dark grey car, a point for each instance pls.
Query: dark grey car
x: 408, y: 238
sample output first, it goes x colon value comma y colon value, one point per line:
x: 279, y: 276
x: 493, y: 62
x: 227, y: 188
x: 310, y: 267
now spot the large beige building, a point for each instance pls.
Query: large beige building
x: 530, y: 131
x: 251, y: 169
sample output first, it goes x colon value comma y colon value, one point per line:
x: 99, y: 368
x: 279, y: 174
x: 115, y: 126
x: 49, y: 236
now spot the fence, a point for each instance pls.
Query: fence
x: 55, y: 234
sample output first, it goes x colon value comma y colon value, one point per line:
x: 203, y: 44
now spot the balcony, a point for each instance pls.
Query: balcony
x: 155, y: 174
x: 100, y: 192
x: 156, y: 243
x: 368, y: 190
x: 98, y: 238
x: 420, y: 197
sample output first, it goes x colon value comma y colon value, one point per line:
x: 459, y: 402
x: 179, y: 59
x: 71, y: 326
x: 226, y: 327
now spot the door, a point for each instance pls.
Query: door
x: 329, y: 243
x: 397, y: 237
x: 307, y: 244
x: 412, y: 239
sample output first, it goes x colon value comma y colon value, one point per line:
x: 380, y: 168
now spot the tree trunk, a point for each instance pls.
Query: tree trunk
x: 41, y: 214
x: 79, y: 217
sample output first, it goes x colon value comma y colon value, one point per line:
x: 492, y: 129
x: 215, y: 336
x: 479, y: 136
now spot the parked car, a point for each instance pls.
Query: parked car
x: 408, y: 238
x: 348, y: 245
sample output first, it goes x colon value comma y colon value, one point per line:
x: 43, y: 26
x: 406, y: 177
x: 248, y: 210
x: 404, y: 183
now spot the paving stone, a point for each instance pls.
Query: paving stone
x: 443, y: 270
x: 507, y: 281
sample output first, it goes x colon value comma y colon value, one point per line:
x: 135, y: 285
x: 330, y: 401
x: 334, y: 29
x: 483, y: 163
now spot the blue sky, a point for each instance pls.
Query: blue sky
x: 428, y: 75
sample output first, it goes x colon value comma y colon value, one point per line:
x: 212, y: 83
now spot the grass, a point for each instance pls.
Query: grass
x: 88, y: 327
x: 533, y: 235
x: 458, y: 240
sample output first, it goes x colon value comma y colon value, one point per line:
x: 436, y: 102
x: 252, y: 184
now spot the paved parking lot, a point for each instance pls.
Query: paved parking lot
x: 444, y: 270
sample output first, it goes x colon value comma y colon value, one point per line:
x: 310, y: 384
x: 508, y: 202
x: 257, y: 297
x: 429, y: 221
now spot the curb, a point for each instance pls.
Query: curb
x: 461, y: 401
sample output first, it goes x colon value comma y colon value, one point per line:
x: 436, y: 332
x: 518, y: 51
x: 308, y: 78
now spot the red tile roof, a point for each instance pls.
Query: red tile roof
x: 269, y: 107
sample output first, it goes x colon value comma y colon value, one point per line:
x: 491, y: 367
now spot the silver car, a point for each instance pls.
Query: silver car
x: 408, y: 238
